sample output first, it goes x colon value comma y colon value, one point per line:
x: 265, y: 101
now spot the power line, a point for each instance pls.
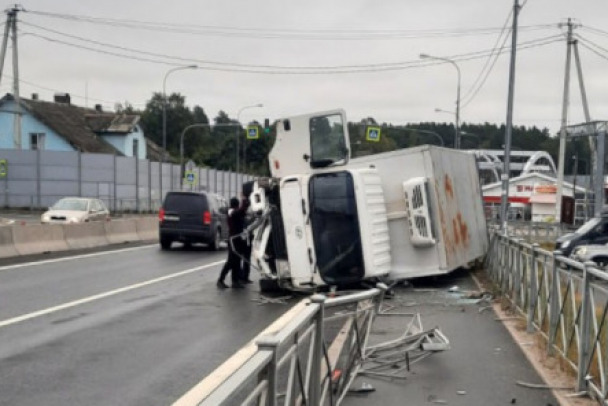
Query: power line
x: 182, y: 59
x: 580, y: 37
x: 266, y: 33
x: 591, y: 46
x: 595, y: 30
x: 489, y: 65
x: 266, y: 69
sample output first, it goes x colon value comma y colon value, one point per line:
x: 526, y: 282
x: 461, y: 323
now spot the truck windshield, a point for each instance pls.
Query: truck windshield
x: 335, y: 226
x: 327, y: 141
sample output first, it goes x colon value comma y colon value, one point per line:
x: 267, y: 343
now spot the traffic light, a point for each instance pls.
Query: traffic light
x: 266, y: 126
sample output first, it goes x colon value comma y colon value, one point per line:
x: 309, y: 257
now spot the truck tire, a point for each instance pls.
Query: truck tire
x: 165, y: 243
x: 269, y: 286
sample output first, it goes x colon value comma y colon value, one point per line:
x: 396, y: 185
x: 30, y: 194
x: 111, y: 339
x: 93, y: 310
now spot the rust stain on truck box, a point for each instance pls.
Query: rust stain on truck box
x: 449, y: 189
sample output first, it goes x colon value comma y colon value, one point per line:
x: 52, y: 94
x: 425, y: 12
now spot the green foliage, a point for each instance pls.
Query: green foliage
x: 215, y: 146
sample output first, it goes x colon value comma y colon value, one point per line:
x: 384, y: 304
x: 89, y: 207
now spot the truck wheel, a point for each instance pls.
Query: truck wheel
x: 269, y: 286
x: 165, y: 243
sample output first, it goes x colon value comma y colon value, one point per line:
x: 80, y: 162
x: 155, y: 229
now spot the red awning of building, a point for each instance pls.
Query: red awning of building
x: 543, y: 198
x: 512, y: 199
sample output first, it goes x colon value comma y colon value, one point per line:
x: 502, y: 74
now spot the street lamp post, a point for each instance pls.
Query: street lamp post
x: 164, y: 129
x: 164, y: 153
x: 433, y: 133
x: 466, y: 134
x: 238, y: 132
x: 457, y: 124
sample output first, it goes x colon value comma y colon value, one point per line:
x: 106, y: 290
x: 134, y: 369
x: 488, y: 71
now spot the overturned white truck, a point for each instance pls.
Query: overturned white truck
x: 326, y: 219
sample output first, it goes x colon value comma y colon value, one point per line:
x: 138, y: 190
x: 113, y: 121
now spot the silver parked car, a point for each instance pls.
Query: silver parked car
x: 593, y: 253
x: 75, y: 210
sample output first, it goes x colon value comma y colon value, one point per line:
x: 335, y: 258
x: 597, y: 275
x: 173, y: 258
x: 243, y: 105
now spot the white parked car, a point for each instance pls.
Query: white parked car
x: 75, y: 210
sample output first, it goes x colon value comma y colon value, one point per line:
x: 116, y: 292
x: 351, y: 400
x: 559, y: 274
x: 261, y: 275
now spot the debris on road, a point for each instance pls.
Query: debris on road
x: 542, y: 386
x: 275, y: 300
x: 364, y: 388
x: 434, y: 399
x: 394, y: 358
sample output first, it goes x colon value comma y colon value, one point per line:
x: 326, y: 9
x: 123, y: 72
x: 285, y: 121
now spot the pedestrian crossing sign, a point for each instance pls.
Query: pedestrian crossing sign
x: 190, y: 177
x: 253, y: 133
x: 3, y: 168
x: 373, y: 134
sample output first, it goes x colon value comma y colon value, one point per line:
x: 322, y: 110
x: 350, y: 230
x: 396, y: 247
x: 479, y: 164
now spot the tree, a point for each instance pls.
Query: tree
x: 179, y: 117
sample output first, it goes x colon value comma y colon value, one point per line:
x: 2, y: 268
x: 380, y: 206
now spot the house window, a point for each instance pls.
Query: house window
x: 37, y: 141
x: 136, y: 148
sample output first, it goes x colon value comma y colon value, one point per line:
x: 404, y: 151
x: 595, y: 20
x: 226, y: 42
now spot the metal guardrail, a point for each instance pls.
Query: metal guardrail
x: 534, y: 231
x: 564, y: 300
x: 311, y: 361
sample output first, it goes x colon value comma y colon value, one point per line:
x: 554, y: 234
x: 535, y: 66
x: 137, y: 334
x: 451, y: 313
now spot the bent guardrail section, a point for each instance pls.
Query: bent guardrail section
x: 564, y: 300
x: 311, y: 360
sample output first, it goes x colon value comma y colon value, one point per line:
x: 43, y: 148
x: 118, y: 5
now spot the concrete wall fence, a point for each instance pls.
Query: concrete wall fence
x: 30, y: 239
x: 37, y: 179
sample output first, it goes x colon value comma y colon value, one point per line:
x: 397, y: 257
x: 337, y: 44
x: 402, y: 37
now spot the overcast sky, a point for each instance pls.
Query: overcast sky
x: 331, y: 41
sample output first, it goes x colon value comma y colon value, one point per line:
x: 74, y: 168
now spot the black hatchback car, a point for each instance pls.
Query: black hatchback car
x: 193, y: 217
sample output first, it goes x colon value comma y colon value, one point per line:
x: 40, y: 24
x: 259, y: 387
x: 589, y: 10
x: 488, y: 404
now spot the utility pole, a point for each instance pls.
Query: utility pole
x: 592, y: 140
x: 504, y: 202
x: 562, y: 133
x: 10, y: 28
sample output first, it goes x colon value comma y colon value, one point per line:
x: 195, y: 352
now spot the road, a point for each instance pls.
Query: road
x: 134, y: 326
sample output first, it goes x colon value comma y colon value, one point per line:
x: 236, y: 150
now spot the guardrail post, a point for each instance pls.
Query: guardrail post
x: 507, y: 266
x: 503, y: 260
x: 271, y: 344
x: 517, y: 276
x: 533, y: 287
x: 554, y: 302
x: 584, y: 332
x: 314, y: 388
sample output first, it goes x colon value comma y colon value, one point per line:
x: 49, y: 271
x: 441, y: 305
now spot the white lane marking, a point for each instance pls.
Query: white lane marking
x: 95, y: 254
x: 104, y: 295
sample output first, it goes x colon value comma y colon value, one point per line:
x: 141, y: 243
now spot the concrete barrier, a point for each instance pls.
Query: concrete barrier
x: 147, y: 228
x: 39, y: 238
x: 85, y: 235
x: 7, y: 245
x: 121, y: 231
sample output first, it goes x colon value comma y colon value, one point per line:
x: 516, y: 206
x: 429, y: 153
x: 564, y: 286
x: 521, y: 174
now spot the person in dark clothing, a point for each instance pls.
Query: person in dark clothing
x: 236, y: 224
x: 246, y: 253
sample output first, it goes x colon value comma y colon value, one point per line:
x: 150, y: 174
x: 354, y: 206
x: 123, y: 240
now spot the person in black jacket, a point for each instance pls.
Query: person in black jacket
x: 236, y: 224
x: 246, y: 253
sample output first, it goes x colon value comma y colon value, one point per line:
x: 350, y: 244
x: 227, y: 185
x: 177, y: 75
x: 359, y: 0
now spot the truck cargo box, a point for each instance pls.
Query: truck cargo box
x: 434, y: 208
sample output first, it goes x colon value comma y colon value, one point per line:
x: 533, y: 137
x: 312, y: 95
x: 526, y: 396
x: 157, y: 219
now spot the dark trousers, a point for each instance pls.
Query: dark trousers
x: 233, y: 263
x: 247, y: 255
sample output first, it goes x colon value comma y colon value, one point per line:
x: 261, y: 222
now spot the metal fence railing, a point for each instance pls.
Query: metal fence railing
x: 533, y: 231
x: 564, y: 300
x: 310, y: 361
